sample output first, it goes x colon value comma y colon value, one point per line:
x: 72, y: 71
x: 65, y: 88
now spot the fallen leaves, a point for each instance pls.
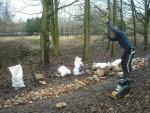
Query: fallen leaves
x: 50, y: 92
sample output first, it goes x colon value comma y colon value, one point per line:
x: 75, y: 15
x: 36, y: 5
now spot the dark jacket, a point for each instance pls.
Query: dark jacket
x: 120, y: 37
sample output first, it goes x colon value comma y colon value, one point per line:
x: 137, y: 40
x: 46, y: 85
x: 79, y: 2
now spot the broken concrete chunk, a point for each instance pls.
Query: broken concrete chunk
x: 102, y: 78
x: 90, y: 78
x: 39, y: 76
x: 117, y: 69
x: 100, y: 72
x: 42, y: 82
x: 139, y: 62
x: 57, y: 75
x: 112, y: 73
x: 89, y: 72
x: 61, y: 105
x: 119, y: 73
x: 95, y: 77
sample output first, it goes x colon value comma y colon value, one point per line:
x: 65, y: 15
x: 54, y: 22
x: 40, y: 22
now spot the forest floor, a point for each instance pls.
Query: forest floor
x: 88, y: 99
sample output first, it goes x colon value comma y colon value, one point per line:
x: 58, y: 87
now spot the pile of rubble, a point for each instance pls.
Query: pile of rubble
x: 99, y: 71
x: 114, y: 68
x: 138, y: 63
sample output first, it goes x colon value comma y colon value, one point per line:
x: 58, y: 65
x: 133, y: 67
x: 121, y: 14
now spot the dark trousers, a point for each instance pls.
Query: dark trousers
x: 126, y: 61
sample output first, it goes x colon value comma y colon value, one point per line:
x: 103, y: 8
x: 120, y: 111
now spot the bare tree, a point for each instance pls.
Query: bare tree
x: 121, y: 14
x: 54, y: 27
x: 146, y: 23
x: 134, y: 21
x: 86, y: 49
x: 109, y: 17
x: 44, y: 38
x: 143, y: 17
x: 114, y: 22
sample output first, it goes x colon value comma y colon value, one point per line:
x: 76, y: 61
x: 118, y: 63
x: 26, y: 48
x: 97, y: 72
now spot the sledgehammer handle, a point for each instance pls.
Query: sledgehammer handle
x: 108, y: 13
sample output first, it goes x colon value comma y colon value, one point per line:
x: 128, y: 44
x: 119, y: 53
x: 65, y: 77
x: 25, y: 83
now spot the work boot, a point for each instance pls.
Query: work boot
x: 126, y: 77
x: 122, y: 89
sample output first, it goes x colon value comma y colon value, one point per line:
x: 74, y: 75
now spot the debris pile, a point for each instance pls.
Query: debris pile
x: 97, y: 73
x: 138, y: 63
x: 114, y: 68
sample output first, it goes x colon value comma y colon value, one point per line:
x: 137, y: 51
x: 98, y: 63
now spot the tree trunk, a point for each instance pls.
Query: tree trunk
x: 109, y: 9
x: 86, y: 49
x: 134, y: 22
x: 114, y: 22
x: 145, y: 36
x: 56, y: 49
x: 54, y: 27
x: 44, y: 36
x: 121, y: 15
x: 146, y: 26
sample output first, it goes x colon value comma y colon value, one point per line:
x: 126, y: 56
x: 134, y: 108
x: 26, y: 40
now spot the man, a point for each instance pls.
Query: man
x: 123, y: 86
x: 126, y: 45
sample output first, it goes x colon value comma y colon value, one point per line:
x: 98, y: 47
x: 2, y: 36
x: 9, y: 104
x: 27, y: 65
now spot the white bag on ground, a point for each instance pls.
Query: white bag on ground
x: 101, y: 65
x: 116, y: 62
x: 79, y: 67
x: 17, y: 76
x: 63, y: 71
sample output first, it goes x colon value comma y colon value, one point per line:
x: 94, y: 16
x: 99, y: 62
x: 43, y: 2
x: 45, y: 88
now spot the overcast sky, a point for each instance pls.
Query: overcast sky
x: 21, y: 7
x: 25, y: 9
x: 29, y: 8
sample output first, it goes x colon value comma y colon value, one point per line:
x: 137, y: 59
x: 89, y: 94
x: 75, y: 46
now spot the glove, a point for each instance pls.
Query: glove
x: 106, y: 20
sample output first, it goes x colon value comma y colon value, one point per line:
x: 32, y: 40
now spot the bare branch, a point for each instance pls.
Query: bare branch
x: 68, y: 4
x: 100, y: 10
x: 148, y: 4
x: 19, y: 11
x: 34, y: 5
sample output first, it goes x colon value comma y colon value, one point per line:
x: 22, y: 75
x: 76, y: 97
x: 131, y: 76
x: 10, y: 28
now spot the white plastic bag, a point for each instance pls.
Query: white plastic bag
x: 116, y: 62
x: 101, y: 65
x: 17, y: 76
x: 79, y: 67
x: 63, y: 71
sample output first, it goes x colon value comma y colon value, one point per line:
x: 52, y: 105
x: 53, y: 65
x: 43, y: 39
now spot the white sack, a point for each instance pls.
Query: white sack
x: 79, y: 67
x: 101, y: 65
x: 116, y: 62
x: 63, y: 71
x: 17, y: 76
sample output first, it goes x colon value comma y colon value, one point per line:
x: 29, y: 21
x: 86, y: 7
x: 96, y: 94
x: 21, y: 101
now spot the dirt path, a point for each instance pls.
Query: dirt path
x: 93, y: 99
